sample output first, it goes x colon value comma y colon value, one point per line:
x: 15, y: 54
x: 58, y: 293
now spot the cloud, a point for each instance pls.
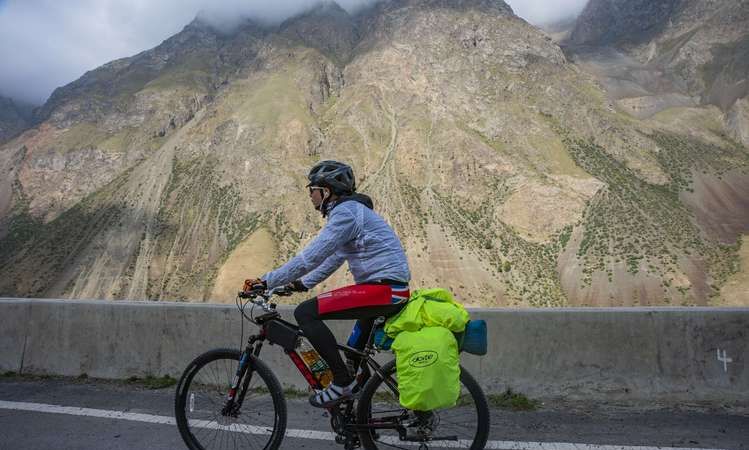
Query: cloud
x: 541, y: 12
x: 228, y: 11
x: 49, y: 43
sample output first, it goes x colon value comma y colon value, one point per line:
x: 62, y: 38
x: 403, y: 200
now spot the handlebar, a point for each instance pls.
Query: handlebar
x: 262, y: 297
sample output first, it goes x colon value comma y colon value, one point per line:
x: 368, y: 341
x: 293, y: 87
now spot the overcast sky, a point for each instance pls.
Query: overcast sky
x: 49, y: 43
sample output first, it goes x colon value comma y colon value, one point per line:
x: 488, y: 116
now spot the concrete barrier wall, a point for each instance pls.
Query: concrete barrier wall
x: 667, y: 355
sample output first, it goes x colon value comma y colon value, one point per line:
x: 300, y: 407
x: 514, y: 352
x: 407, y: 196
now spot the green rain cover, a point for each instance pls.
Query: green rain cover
x: 428, y: 368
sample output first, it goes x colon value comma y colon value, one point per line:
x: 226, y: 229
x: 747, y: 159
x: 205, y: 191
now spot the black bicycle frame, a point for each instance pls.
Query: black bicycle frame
x: 281, y: 333
x: 269, y: 332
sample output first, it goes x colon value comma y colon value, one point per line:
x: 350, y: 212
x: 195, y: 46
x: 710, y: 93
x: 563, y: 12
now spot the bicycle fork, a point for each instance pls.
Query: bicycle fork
x: 243, y: 376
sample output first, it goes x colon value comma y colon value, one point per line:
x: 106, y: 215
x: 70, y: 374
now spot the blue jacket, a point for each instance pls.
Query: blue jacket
x: 353, y: 233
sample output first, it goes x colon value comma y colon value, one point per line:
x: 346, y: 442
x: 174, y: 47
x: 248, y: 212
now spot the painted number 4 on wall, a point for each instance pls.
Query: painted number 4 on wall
x: 724, y: 359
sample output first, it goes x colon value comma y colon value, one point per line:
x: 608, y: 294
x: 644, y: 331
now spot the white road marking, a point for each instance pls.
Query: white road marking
x: 311, y: 434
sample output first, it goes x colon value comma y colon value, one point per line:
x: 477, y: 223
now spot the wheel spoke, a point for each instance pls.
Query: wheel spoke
x: 465, y: 425
x: 204, y: 396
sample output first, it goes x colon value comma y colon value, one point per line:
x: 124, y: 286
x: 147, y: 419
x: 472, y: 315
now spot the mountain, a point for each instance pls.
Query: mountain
x: 682, y: 65
x: 696, y: 50
x: 505, y: 165
x: 14, y: 118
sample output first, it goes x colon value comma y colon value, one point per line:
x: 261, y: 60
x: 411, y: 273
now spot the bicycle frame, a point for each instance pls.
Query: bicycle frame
x: 255, y: 344
x: 277, y: 331
x: 354, y: 420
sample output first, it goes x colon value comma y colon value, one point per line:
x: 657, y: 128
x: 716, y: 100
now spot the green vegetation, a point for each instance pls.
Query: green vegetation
x: 564, y: 237
x: 680, y: 155
x: 418, y: 216
x: 291, y: 392
x: 196, y: 203
x: 513, y: 400
x: 148, y: 382
x: 45, y: 249
x: 28, y: 376
x: 22, y: 226
x: 152, y: 382
x: 530, y: 267
x: 646, y: 226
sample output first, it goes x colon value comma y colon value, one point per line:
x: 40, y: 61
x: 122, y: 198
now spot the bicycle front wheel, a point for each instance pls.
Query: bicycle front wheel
x: 465, y: 425
x: 205, y: 422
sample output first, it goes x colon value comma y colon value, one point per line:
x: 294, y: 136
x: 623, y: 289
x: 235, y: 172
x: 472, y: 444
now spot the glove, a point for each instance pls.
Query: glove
x: 297, y: 286
x: 290, y: 288
x: 255, y: 284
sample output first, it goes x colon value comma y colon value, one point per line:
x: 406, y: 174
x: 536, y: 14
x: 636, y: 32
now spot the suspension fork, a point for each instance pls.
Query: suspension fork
x: 243, y: 375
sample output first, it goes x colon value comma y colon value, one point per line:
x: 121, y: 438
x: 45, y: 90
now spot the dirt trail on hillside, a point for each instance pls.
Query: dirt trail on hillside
x: 390, y: 148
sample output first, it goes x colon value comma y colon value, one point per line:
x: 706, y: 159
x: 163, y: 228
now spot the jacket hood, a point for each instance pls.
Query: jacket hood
x: 360, y: 198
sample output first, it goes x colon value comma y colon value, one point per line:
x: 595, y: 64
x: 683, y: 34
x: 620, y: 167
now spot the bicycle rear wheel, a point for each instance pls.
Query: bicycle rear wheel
x: 201, y: 398
x: 465, y: 425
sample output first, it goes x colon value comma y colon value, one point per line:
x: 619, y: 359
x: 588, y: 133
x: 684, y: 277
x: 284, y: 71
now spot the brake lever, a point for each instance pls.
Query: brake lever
x: 256, y: 292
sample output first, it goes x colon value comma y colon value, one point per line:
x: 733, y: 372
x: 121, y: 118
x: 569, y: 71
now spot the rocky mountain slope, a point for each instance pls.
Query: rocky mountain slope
x: 681, y: 64
x: 694, y: 51
x: 508, y: 171
x: 14, y: 118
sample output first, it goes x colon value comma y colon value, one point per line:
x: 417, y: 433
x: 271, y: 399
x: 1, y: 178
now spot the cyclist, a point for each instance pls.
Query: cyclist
x: 356, y: 234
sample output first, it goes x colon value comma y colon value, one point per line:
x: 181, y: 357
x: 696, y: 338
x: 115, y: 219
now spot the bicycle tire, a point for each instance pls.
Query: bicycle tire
x: 201, y: 394
x: 471, y: 394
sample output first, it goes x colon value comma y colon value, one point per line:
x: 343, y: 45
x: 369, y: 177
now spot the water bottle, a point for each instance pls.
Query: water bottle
x: 319, y: 368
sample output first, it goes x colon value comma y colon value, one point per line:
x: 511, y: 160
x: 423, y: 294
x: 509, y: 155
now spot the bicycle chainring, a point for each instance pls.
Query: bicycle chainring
x: 340, y: 418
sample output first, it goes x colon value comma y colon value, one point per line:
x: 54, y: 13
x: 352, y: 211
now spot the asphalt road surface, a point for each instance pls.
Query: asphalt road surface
x: 93, y: 414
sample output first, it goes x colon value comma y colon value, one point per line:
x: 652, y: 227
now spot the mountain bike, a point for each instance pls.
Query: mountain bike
x: 227, y: 398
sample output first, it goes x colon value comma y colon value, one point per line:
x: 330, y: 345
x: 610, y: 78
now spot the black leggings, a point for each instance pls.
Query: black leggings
x: 320, y: 336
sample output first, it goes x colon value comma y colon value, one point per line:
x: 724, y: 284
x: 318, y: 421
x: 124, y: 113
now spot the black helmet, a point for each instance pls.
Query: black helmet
x: 337, y: 176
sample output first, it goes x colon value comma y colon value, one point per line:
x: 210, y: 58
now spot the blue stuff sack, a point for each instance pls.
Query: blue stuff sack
x: 473, y: 339
x: 382, y: 340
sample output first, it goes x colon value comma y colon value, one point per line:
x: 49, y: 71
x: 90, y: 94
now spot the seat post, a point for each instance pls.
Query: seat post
x: 377, y: 323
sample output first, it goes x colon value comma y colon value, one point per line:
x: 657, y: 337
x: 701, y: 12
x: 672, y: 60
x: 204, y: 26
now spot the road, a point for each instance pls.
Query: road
x: 63, y: 413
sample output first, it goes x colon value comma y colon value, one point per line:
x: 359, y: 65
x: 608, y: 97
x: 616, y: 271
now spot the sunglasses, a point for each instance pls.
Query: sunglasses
x: 314, y: 188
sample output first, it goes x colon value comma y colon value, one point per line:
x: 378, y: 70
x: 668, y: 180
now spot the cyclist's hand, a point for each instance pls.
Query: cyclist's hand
x: 254, y: 285
x: 284, y: 291
x: 296, y: 286
x: 291, y: 288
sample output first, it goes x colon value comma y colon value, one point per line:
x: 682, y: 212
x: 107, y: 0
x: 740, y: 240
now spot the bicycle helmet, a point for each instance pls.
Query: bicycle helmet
x: 337, y: 176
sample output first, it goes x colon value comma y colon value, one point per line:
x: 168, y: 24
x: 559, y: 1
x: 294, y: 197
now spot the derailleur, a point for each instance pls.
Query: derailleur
x: 425, y: 423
